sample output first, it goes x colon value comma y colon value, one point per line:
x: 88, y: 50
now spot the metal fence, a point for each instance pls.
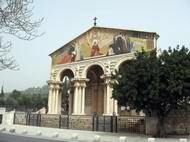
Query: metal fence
x: 1, y: 118
x: 115, y: 124
x: 135, y: 124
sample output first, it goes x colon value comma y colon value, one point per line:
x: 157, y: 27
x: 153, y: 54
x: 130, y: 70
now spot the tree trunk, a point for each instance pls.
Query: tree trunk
x: 160, y: 127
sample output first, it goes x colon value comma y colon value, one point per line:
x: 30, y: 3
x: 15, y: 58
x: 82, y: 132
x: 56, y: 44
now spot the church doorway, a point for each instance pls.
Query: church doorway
x: 94, y: 91
x: 67, y: 92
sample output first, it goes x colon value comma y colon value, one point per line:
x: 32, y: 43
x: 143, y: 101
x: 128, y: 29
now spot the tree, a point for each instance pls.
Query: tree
x: 2, y: 92
x: 6, y: 62
x: 155, y: 84
x: 16, y: 18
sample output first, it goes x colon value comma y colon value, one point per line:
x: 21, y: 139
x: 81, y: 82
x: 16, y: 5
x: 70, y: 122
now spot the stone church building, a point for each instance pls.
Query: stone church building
x: 80, y: 79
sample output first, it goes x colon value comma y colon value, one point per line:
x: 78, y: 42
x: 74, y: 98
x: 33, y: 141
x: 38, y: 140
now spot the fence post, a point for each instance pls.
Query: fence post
x: 114, y: 123
x: 116, y: 128
x: 104, y: 124
x: 28, y: 118
x: 38, y: 119
x: 14, y: 118
x: 111, y: 124
x: 97, y: 122
x: 68, y: 121
x: 93, y: 122
x: 60, y: 121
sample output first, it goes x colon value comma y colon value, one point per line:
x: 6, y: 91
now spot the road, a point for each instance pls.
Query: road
x: 15, y: 138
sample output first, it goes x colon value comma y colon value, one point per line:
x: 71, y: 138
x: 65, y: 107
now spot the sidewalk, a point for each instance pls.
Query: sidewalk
x: 83, y: 136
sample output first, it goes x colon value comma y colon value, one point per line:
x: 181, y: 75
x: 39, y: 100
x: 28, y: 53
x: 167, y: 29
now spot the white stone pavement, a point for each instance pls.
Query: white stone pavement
x: 81, y: 136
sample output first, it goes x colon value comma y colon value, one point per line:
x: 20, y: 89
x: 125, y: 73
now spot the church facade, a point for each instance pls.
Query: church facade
x: 80, y: 79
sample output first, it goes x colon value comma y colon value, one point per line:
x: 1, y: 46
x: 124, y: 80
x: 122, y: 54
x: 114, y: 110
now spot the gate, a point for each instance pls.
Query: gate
x: 104, y: 123
x: 34, y: 119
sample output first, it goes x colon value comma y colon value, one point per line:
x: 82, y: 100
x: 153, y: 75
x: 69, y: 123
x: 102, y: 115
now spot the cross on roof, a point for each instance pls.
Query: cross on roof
x: 95, y: 21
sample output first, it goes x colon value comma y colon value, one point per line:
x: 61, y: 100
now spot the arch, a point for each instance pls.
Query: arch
x: 84, y: 73
x: 94, y: 90
x: 94, y: 73
x: 67, y: 90
x: 121, y: 62
x: 65, y: 72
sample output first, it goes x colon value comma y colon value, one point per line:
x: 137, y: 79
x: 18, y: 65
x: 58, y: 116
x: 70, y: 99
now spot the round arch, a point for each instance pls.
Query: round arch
x: 65, y: 72
x: 118, y: 65
x: 65, y: 75
x: 94, y: 90
x: 84, y: 74
x: 94, y: 73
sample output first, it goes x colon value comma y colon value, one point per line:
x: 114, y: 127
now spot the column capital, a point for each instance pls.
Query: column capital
x: 50, y: 87
x: 57, y: 87
x: 106, y: 78
x: 54, y: 84
x: 79, y: 82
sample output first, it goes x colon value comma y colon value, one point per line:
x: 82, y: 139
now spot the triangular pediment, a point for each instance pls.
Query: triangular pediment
x: 100, y: 41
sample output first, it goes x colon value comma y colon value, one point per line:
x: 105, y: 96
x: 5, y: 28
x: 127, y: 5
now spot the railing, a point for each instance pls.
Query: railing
x: 133, y: 124
x: 115, y: 124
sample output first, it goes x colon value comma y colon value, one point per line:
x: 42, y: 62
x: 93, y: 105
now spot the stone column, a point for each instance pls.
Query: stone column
x: 106, y: 96
x: 110, y: 106
x: 59, y: 101
x: 115, y: 107
x: 54, y: 98
x: 155, y: 40
x: 79, y: 96
x: 83, y: 99
x: 49, y: 99
x: 56, y: 95
x: 79, y: 99
x: 75, y: 101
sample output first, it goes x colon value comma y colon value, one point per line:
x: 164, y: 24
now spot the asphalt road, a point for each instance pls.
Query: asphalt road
x: 15, y: 138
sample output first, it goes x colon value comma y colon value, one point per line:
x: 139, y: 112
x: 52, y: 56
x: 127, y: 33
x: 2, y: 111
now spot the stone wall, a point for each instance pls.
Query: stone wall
x: 50, y: 120
x: 176, y: 123
x: 80, y: 122
x: 8, y: 118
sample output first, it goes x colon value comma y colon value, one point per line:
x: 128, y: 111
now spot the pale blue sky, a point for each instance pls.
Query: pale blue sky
x: 65, y: 19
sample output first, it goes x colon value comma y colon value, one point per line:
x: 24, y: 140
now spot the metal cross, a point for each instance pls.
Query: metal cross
x: 95, y: 21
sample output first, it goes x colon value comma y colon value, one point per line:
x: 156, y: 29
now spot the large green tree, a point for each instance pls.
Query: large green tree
x: 155, y: 84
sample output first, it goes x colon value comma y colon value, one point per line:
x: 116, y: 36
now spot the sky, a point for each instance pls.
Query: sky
x: 66, y: 19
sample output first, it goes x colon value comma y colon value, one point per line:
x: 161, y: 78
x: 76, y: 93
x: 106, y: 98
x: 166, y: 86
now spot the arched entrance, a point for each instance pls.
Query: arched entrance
x: 67, y: 91
x: 94, y: 90
x: 123, y: 65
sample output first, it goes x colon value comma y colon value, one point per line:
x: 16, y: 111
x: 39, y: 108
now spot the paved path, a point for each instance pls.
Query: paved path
x: 55, y: 134
x: 4, y: 137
